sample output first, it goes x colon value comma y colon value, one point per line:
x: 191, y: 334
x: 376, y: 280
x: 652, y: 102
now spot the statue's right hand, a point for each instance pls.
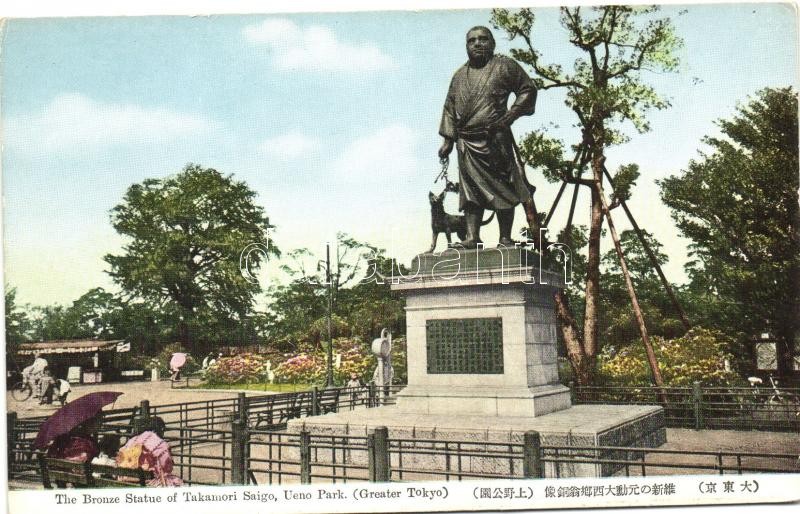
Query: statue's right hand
x: 446, y: 148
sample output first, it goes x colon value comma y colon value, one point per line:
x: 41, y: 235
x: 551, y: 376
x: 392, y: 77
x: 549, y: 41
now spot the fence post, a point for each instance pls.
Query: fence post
x: 239, y: 452
x: 11, y: 421
x: 315, y: 401
x: 305, y: 457
x: 532, y: 466
x: 371, y: 457
x: 140, y: 423
x: 697, y: 395
x: 572, y: 393
x: 144, y: 409
x: 241, y: 407
x: 379, y: 455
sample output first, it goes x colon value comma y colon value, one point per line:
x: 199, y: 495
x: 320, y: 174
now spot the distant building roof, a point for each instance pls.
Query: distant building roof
x: 67, y: 346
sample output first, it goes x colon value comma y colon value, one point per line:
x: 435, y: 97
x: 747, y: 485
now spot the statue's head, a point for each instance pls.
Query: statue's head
x: 480, y: 45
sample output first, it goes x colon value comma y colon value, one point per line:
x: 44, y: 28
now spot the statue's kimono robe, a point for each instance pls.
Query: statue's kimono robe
x: 489, y: 174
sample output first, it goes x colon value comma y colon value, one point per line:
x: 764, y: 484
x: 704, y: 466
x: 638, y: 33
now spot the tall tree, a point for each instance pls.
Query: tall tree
x: 185, y: 237
x: 605, y: 91
x: 18, y: 324
x: 738, y: 204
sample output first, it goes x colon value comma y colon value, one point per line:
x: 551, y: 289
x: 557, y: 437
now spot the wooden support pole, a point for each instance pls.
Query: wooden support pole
x: 555, y: 203
x: 637, y: 311
x: 675, y: 303
x: 572, y: 211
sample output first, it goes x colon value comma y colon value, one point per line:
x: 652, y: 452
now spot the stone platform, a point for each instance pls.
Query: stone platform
x: 581, y: 425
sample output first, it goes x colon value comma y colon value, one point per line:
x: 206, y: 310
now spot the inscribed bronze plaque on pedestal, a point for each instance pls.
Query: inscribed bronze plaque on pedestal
x: 465, y: 346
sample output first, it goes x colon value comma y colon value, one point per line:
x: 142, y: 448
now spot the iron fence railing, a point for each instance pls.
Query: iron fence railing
x: 204, y: 414
x: 426, y: 459
x: 200, y: 455
x: 272, y: 458
x: 733, y: 408
x: 193, y: 424
x: 619, y: 460
x: 236, y: 440
x: 302, y: 457
x: 241, y: 456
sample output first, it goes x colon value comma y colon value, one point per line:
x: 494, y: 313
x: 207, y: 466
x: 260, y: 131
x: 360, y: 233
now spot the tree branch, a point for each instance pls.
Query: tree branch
x: 556, y: 82
x: 639, y: 61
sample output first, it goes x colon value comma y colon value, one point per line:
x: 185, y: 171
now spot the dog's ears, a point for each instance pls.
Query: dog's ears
x: 431, y: 196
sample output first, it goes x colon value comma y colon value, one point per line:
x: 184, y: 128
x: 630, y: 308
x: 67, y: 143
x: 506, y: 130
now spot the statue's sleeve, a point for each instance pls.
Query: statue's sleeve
x: 447, y: 128
x: 524, y: 90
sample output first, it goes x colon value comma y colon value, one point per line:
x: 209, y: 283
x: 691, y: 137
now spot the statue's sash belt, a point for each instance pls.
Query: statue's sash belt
x: 472, y: 134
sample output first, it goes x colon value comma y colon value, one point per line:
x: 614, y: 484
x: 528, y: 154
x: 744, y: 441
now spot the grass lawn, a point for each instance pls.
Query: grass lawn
x: 275, y: 388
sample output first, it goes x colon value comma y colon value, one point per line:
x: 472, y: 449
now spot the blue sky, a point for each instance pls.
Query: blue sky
x: 331, y: 118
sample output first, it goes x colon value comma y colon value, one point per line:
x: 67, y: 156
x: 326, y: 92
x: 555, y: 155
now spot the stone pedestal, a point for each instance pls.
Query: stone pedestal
x: 481, y: 334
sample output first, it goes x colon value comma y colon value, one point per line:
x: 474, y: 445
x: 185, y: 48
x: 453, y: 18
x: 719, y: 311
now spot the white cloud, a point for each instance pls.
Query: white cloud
x: 288, y: 146
x: 74, y: 123
x: 389, y: 152
x: 314, y: 48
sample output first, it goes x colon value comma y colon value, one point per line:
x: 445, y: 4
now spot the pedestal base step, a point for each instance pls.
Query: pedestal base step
x: 578, y: 426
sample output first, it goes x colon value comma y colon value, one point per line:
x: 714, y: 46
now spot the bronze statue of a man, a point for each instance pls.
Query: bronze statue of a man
x: 476, y: 118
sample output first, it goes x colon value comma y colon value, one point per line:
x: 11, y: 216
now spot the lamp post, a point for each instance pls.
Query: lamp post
x: 329, y: 377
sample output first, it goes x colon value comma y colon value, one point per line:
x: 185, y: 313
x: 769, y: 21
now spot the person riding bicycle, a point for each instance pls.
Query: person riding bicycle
x: 33, y: 373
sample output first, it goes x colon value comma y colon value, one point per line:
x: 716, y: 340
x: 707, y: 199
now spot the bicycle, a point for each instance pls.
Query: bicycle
x: 21, y: 390
x: 777, y: 403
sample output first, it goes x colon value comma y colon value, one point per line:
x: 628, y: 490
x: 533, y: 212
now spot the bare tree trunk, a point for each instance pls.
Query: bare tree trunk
x: 581, y: 367
x: 183, y: 333
x: 591, y: 310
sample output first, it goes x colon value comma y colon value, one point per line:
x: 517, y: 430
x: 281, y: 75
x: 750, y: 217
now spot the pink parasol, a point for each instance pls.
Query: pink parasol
x: 177, y: 360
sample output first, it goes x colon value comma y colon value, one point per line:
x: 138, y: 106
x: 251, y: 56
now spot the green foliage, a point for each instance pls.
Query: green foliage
x: 618, y: 324
x: 576, y: 239
x: 616, y: 44
x: 400, y: 359
x: 362, y: 303
x: 639, y: 264
x: 137, y: 360
x: 738, y: 206
x: 18, y: 324
x: 92, y: 316
x: 624, y: 180
x: 98, y: 314
x: 545, y: 153
x: 185, y: 236
x: 697, y: 356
